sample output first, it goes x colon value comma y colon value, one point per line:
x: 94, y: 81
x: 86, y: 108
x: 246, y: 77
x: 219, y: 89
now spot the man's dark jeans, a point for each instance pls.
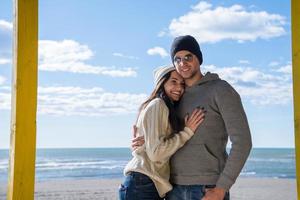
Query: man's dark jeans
x: 189, y: 192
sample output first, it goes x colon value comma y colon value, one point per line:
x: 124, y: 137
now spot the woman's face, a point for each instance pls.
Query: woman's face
x: 174, y: 86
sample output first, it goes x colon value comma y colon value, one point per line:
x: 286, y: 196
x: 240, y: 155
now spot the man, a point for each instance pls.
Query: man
x: 202, y: 168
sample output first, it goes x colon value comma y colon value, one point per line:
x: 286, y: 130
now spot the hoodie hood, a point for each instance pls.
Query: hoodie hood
x: 208, y: 77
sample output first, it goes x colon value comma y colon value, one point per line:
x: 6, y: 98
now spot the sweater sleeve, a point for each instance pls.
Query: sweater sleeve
x: 155, y: 122
x: 237, y: 128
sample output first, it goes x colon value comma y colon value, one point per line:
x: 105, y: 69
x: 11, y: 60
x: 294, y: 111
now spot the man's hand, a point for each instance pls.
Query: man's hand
x: 214, y: 194
x: 136, y: 141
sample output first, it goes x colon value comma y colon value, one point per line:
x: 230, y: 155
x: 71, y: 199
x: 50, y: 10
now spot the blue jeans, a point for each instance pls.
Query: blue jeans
x: 138, y: 186
x: 189, y: 192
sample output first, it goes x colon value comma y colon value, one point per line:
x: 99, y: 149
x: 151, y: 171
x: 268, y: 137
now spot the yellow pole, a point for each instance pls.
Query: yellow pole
x: 21, y: 173
x: 296, y: 82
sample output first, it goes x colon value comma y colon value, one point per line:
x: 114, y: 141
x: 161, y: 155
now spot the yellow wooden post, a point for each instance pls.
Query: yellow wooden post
x: 296, y: 82
x: 24, y: 101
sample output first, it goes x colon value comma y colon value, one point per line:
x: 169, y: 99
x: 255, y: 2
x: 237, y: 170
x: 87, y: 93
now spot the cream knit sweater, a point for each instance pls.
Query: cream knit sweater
x: 152, y: 159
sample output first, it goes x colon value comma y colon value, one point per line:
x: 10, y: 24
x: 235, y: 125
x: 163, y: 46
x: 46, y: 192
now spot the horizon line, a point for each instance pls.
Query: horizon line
x: 129, y: 148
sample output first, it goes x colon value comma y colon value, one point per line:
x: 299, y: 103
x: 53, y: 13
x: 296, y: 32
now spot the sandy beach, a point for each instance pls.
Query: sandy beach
x: 106, y: 189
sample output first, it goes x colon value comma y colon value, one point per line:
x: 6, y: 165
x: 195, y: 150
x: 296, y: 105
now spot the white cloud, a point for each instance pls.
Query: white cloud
x: 163, y: 33
x: 5, y: 96
x: 273, y: 63
x: 285, y: 69
x: 2, y: 80
x: 6, y: 26
x: 86, y: 101
x: 125, y: 56
x: 258, y: 87
x: 80, y: 101
x: 5, y: 37
x: 210, y: 24
x: 4, y: 61
x: 158, y: 51
x: 244, y: 61
x: 70, y: 56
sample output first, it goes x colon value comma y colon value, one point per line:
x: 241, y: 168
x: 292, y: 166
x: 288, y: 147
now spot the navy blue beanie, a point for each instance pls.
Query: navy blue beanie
x: 188, y: 43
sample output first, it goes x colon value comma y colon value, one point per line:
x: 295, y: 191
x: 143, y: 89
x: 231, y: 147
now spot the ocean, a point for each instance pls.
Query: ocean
x: 95, y: 163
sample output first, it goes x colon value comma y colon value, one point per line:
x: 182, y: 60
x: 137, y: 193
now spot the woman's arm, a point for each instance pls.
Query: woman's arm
x: 155, y: 124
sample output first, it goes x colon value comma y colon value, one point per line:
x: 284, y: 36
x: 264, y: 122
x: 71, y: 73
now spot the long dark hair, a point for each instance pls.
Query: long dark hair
x: 159, y: 92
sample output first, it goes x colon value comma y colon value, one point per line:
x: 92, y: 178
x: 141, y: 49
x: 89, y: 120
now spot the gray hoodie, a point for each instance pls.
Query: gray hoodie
x: 203, y: 160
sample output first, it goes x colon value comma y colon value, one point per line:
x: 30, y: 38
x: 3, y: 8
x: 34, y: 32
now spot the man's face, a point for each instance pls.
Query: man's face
x: 187, y: 64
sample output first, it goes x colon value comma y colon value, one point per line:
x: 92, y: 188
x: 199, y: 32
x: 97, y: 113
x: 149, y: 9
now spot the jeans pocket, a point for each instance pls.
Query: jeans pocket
x: 144, y: 183
x: 123, y: 192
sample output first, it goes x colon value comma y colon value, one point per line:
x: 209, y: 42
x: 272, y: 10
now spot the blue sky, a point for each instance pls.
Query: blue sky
x: 96, y: 60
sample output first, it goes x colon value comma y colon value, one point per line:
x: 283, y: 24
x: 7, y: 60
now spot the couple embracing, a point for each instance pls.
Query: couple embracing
x: 182, y: 132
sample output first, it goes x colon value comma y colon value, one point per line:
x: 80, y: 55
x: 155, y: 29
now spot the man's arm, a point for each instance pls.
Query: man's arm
x: 237, y: 128
x: 136, y: 141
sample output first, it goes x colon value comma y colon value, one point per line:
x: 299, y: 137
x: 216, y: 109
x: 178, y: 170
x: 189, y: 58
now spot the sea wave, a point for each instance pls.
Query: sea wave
x: 85, y: 163
x: 248, y: 173
x: 65, y: 164
x: 282, y: 160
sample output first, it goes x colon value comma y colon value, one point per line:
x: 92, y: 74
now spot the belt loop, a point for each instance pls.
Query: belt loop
x: 203, y: 189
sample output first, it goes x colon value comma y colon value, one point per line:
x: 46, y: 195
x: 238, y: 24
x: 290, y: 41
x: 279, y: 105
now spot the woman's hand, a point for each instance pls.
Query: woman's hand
x: 192, y: 122
x: 195, y: 119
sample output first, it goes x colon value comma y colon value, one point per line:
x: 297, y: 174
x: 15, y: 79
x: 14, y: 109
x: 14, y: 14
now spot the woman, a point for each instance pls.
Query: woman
x: 147, y: 174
